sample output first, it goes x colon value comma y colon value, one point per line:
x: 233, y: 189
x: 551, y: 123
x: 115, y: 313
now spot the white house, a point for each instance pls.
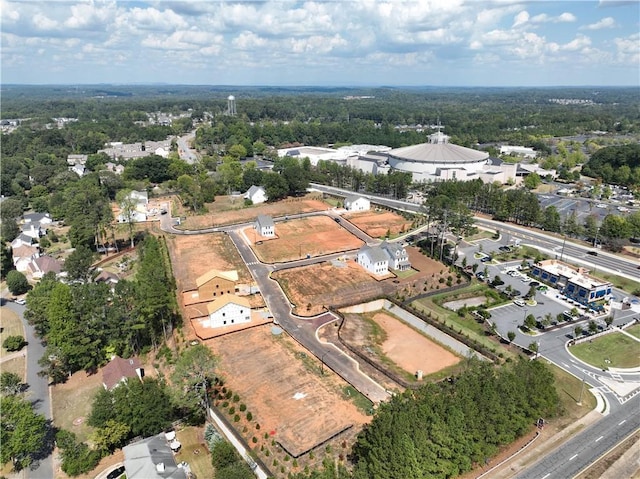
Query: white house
x: 356, y: 203
x: 33, y: 230
x: 374, y: 260
x: 256, y: 194
x: 23, y: 240
x: 77, y: 159
x: 227, y: 310
x: 264, y: 226
x: 138, y: 212
x: 41, y: 219
x: 397, y: 256
x: 42, y: 265
x: 22, y: 257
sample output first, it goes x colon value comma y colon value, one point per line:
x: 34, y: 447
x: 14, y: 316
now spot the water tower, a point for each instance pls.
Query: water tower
x: 231, y: 105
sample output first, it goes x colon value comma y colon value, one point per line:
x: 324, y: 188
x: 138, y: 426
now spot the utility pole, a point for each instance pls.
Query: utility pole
x: 579, y: 403
x: 444, y: 230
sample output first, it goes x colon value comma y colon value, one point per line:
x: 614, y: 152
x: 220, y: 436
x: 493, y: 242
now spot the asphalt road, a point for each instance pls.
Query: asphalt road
x: 184, y: 150
x: 572, y: 457
x: 38, y: 391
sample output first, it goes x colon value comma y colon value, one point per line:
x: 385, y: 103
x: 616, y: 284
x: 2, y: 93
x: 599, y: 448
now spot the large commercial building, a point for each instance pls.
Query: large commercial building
x: 575, y: 284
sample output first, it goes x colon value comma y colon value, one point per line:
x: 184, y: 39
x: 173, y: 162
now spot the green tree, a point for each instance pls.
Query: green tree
x: 578, y: 331
x: 23, y: 432
x: 6, y: 259
x: 14, y: 343
x: 194, y: 372
x: 111, y: 436
x: 78, y: 263
x: 223, y: 454
x: 532, y: 181
x: 10, y: 383
x: 17, y: 282
x: 511, y: 335
x: 128, y: 210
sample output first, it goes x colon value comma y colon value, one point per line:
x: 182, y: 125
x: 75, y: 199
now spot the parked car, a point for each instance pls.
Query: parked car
x: 21, y: 301
x: 535, y: 284
x: 519, y: 302
x: 337, y: 220
x: 505, y: 249
x: 116, y: 473
x: 485, y: 259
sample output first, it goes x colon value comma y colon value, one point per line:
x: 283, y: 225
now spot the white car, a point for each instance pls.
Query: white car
x: 601, y: 205
x: 519, y: 302
x: 21, y: 301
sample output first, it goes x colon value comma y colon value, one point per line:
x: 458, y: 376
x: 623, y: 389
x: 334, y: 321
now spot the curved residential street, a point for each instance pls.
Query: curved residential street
x: 38, y: 391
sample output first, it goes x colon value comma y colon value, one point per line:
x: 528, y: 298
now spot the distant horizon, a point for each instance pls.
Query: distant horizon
x: 320, y: 86
x: 339, y: 43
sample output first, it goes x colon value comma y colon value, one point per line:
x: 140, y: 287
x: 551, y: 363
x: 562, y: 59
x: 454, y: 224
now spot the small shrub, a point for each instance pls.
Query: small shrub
x: 232, y: 410
x: 236, y: 418
x: 225, y: 404
x: 249, y: 416
x: 258, y: 426
x: 236, y: 398
x: 286, y: 458
x: 254, y: 439
x: 243, y: 407
x: 267, y: 453
x: 14, y: 343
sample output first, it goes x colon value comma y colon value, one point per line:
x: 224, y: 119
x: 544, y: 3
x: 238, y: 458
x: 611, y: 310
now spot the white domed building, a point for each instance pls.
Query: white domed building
x: 438, y: 160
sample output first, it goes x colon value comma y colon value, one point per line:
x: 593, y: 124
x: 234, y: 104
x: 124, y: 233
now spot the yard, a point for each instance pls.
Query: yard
x: 297, y: 238
x: 227, y: 210
x: 294, y: 404
x: 194, y: 451
x: 613, y: 350
x: 311, y: 288
x: 71, y: 403
x: 11, y: 325
x: 634, y: 330
x: 380, y: 224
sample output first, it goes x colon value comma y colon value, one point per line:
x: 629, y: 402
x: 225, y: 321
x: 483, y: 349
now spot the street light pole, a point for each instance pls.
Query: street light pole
x: 564, y: 241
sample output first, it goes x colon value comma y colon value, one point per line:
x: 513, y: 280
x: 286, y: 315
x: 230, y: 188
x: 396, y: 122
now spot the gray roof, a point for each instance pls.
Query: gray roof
x: 251, y: 191
x: 438, y: 153
x: 392, y: 248
x: 25, y: 238
x: 264, y: 221
x: 142, y: 457
x: 352, y: 198
x: 374, y: 253
x: 35, y: 217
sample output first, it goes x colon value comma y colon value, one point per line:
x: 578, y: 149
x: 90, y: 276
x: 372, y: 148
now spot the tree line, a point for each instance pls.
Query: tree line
x: 445, y: 429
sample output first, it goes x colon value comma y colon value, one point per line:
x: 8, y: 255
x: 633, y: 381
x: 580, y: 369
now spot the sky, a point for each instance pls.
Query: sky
x: 322, y: 43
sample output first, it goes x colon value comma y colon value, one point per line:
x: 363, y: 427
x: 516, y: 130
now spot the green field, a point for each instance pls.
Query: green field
x: 614, y: 350
x: 634, y: 330
x: 11, y: 326
x: 620, y: 282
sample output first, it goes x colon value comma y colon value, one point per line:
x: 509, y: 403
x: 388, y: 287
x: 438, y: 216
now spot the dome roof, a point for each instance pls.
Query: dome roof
x: 438, y: 153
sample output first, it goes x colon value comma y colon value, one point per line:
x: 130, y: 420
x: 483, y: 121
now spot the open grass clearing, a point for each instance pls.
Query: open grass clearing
x: 481, y: 234
x: 470, y: 327
x: 194, y: 451
x: 620, y: 282
x: 71, y: 403
x: 570, y: 391
x: 613, y: 350
x: 634, y: 330
x: 15, y: 366
x: 11, y: 326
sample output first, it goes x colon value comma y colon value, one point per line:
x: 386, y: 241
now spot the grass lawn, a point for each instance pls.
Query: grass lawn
x: 72, y: 401
x: 620, y: 282
x: 194, y: 451
x: 634, y: 330
x: 16, y: 366
x: 569, y: 389
x: 361, y: 401
x: 614, y: 350
x: 468, y: 326
x: 11, y: 326
x: 481, y: 234
x: 404, y: 274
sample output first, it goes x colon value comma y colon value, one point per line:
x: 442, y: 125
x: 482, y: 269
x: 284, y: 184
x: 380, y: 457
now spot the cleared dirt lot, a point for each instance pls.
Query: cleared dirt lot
x: 393, y: 344
x: 378, y: 223
x: 311, y: 288
x: 297, y: 238
x: 283, y: 388
x: 227, y: 210
x: 192, y: 256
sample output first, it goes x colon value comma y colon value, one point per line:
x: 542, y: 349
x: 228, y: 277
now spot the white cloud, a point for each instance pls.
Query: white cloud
x: 628, y: 50
x: 565, y: 17
x: 42, y: 22
x: 606, y: 22
x: 578, y: 43
x: 520, y: 19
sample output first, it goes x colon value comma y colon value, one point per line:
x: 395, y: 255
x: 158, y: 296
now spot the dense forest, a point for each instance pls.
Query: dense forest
x: 616, y: 165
